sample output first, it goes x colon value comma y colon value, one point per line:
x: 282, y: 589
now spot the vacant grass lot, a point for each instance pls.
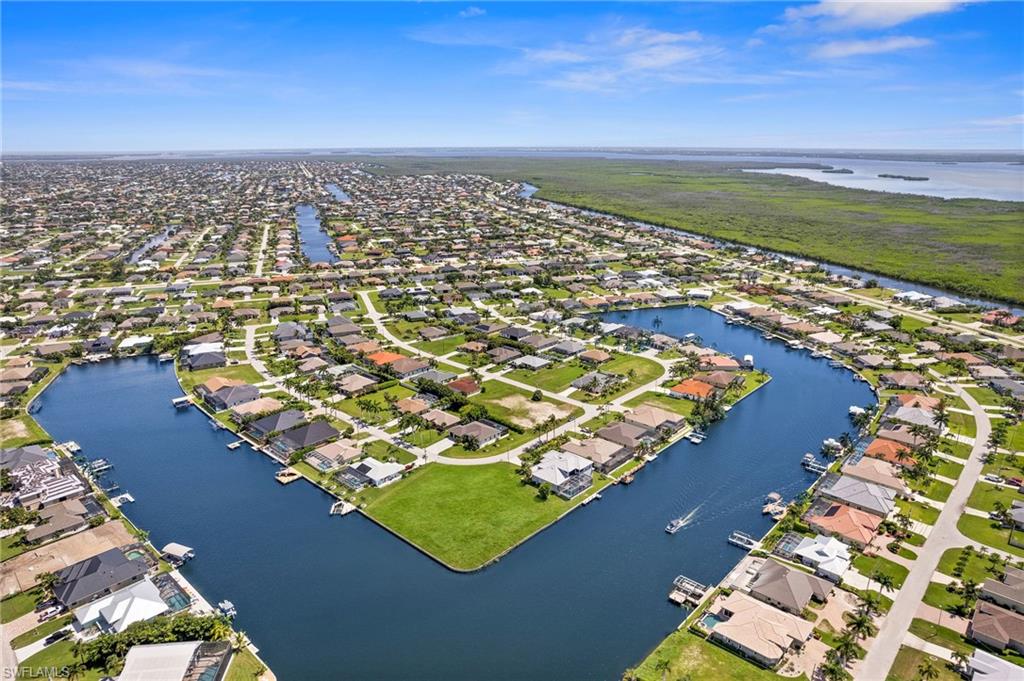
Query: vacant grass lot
x: 691, y: 657
x: 19, y: 431
x: 988, y: 532
x: 239, y: 372
x: 904, y: 668
x: 968, y: 245
x: 465, y: 516
x: 985, y: 495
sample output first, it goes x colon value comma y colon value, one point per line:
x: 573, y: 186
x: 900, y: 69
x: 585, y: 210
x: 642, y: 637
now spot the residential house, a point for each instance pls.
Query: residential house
x: 867, y: 496
x: 787, y: 588
x: 757, y: 630
x: 568, y: 474
x: 829, y: 557
x: 96, y: 577
x: 605, y: 454
x: 997, y: 627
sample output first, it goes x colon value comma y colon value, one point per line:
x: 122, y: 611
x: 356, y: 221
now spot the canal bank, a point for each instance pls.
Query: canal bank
x: 316, y: 242
x: 303, y: 580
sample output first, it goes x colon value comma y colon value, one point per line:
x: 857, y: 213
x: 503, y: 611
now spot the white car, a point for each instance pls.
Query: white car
x: 993, y: 478
x: 50, y: 613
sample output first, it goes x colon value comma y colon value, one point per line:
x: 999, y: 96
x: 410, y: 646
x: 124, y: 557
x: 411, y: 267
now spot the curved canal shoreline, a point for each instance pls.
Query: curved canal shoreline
x: 637, y: 599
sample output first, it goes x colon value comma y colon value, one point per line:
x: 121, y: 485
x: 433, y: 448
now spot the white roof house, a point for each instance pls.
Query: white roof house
x: 827, y: 555
x: 159, y: 661
x: 136, y: 603
x: 568, y: 473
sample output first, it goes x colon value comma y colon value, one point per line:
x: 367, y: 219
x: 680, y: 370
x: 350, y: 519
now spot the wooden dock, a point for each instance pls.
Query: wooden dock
x: 286, y: 475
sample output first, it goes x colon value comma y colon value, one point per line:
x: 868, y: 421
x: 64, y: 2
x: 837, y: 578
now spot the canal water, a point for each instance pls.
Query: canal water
x: 338, y: 193
x: 337, y: 597
x: 314, y: 239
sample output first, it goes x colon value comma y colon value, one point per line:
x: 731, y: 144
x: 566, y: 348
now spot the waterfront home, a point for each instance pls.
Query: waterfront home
x: 309, y: 435
x: 878, y: 472
x: 853, y: 526
x: 187, y: 661
x: 787, y: 588
x: 693, y: 389
x: 625, y: 434
x: 258, y: 407
x: 757, y: 630
x: 384, y: 357
x: 568, y: 474
x: 231, y: 396
x: 718, y: 363
x: 903, y: 380
x: 115, y: 612
x: 605, y: 454
x: 329, y: 456
x: 369, y: 472
x: 866, y: 496
x: 901, y: 433
x: 263, y: 428
x: 890, y: 451
x: 1006, y: 592
x: 997, y: 627
x: 1008, y: 387
x: 655, y: 419
x: 567, y: 348
x: 829, y: 557
x: 873, y: 361
x: 482, y: 433
x: 722, y: 380
x: 39, y: 483
x: 60, y: 518
x: 96, y: 577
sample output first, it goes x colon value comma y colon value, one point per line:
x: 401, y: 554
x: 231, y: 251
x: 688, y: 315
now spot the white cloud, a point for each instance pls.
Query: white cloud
x: 841, y: 49
x: 641, y: 36
x: 471, y: 12
x: 1001, y: 122
x: 555, y: 56
x: 838, y: 15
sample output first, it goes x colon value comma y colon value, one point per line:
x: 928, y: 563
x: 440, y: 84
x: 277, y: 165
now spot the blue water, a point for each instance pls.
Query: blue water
x: 314, y: 239
x: 330, y: 597
x: 338, y: 193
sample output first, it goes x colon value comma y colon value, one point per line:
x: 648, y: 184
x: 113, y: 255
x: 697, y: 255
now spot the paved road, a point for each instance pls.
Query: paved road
x: 944, y: 535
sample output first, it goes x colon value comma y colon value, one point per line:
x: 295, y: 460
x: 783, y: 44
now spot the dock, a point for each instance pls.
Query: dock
x: 182, y: 402
x: 72, y: 447
x: 286, y: 475
x: 743, y: 540
x: 122, y: 499
x: 813, y: 465
x: 686, y: 591
x: 341, y: 508
x: 236, y: 444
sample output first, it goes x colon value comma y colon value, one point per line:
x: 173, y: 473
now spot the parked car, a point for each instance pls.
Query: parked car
x: 1018, y: 482
x: 50, y: 613
x: 58, y: 635
x: 47, y: 604
x: 991, y: 477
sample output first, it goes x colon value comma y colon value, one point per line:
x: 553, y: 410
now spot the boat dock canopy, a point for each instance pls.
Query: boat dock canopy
x: 179, y: 551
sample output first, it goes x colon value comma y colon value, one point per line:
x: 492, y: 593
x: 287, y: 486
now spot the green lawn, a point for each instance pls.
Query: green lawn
x: 868, y: 565
x: 692, y: 658
x: 936, y: 490
x: 382, y: 451
x: 957, y: 449
x: 1015, y: 438
x: 977, y: 566
x: 16, y: 605
x: 351, y: 407
x: 43, y: 630
x: 465, y: 516
x: 939, y: 635
x: 936, y: 595
x: 948, y: 469
x: 905, y: 667
x: 989, y: 533
x: 239, y: 372
x: 962, y: 424
x: 673, y: 404
x: 441, y: 346
x: 244, y: 667
x: 918, y: 511
x: 985, y: 396
x: 495, y: 396
x: 554, y: 379
x: 985, y: 495
x: 56, y: 656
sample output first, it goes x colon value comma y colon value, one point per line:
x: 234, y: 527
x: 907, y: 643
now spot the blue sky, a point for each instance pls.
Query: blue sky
x: 154, y: 76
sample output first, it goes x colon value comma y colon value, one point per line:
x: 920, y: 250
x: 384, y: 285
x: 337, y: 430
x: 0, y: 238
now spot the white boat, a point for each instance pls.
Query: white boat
x: 675, y: 525
x: 696, y: 437
x: 72, y: 447
x: 227, y: 608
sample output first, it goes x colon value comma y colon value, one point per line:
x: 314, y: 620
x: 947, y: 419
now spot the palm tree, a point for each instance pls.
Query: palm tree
x: 885, y: 582
x: 961, y: 659
x: 662, y: 665
x: 833, y: 670
x: 860, y: 625
x: 927, y: 670
x: 47, y: 580
x: 868, y: 603
x: 846, y: 646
